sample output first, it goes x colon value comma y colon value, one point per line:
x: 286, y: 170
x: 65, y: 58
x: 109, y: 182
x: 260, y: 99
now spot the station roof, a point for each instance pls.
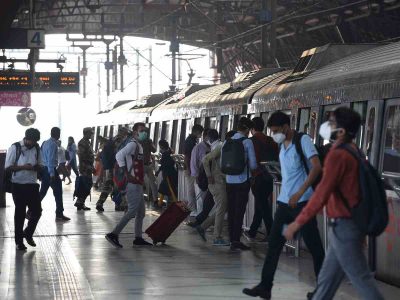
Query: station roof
x: 233, y: 26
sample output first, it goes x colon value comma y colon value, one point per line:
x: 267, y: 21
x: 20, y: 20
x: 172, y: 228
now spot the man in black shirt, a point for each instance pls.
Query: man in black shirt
x: 190, y: 142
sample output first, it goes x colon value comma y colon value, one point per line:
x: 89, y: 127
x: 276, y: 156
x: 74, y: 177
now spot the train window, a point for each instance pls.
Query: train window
x: 165, y: 134
x: 304, y: 119
x: 105, y: 131
x: 174, y: 134
x: 369, y: 132
x: 391, y: 157
x: 156, y: 133
x: 313, y: 123
x: 182, y: 136
x: 212, y: 122
x: 223, y: 128
x: 111, y: 131
x: 197, y: 121
x: 361, y: 108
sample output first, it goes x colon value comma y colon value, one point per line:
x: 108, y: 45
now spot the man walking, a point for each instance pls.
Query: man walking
x: 341, y: 178
x: 50, y: 176
x: 296, y: 191
x: 24, y: 161
x: 130, y: 159
x: 86, y: 169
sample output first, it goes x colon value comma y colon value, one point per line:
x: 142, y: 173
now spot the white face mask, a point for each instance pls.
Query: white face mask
x: 279, y: 137
x: 325, y: 131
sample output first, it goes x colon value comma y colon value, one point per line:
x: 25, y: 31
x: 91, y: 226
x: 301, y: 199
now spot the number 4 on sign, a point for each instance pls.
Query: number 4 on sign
x: 35, y: 39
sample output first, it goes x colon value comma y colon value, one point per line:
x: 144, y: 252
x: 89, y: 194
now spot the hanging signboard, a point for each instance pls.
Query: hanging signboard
x: 15, y: 99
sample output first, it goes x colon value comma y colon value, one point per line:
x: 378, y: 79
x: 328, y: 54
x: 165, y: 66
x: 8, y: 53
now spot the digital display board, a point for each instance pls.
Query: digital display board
x: 50, y: 82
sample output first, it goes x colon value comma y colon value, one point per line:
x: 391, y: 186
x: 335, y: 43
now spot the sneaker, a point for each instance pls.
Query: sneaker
x: 29, y: 240
x: 201, y: 232
x: 21, y: 247
x: 99, y: 208
x: 113, y: 239
x: 250, y: 237
x: 62, y: 218
x: 239, y: 246
x: 81, y: 206
x: 141, y: 242
x: 220, y: 242
x: 258, y: 291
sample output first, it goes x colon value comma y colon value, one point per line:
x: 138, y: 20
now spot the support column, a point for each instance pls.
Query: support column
x: 268, y: 33
x: 151, y: 69
x: 174, y: 48
x: 137, y: 74
x: 122, y: 62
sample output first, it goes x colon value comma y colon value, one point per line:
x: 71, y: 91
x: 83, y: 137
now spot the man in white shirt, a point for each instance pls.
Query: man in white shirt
x: 130, y: 158
x: 24, y: 160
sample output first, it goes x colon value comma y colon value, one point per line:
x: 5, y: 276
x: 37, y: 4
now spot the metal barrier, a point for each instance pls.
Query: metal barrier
x: 2, y: 192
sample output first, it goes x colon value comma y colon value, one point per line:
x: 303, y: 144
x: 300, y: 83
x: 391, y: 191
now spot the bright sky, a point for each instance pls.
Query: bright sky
x: 71, y: 112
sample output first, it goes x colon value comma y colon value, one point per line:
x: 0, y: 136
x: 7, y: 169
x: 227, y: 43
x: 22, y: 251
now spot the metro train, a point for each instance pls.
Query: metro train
x: 364, y: 77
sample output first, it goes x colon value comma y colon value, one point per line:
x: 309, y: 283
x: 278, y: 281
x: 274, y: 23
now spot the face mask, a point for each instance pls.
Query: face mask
x: 279, y: 137
x: 142, y: 135
x: 326, y: 131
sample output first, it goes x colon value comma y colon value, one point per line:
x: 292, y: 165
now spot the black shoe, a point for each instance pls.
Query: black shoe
x: 21, y: 247
x: 192, y: 224
x: 80, y: 206
x: 201, y: 232
x: 258, y: 291
x: 29, y: 240
x: 141, y: 242
x: 62, y: 218
x: 239, y: 246
x: 28, y: 215
x: 118, y: 208
x: 99, y: 208
x: 113, y: 239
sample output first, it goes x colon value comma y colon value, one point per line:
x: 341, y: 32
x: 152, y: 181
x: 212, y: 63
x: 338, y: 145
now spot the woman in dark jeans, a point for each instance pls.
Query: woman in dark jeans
x: 71, y: 148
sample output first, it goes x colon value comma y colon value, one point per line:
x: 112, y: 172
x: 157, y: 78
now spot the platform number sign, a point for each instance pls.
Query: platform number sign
x: 35, y: 39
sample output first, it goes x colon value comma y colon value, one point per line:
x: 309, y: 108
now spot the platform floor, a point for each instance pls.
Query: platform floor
x: 74, y: 261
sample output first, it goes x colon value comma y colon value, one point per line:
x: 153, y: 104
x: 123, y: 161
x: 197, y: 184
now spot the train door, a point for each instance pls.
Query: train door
x: 182, y: 136
x: 372, y: 136
x: 303, y: 121
x: 174, y: 135
x: 388, y: 243
x: 156, y: 134
x: 223, y: 128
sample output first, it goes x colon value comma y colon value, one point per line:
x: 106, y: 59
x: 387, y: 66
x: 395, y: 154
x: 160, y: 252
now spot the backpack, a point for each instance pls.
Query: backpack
x: 299, y: 149
x: 121, y: 175
x: 7, y: 184
x: 371, y: 212
x: 233, y: 157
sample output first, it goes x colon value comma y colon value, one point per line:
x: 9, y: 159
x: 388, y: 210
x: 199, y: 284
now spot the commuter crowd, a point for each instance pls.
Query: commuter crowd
x: 218, y: 177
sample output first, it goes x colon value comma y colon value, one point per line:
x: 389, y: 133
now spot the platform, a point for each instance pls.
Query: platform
x: 74, y: 261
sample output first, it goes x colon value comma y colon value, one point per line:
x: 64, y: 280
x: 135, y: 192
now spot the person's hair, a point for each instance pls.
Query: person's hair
x: 258, y: 124
x: 163, y: 144
x: 205, y: 132
x: 55, y: 131
x: 245, y: 124
x: 197, y: 128
x: 230, y: 134
x: 137, y: 125
x: 32, y: 134
x: 72, y: 138
x: 279, y: 119
x: 349, y: 120
x: 212, y: 134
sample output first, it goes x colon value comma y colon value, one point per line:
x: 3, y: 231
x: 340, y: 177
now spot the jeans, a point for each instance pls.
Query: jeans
x: 107, y: 188
x: 345, y: 256
x: 26, y: 195
x: 74, y: 166
x: 208, y: 205
x: 190, y: 194
x: 56, y: 186
x: 218, y: 191
x: 150, y: 182
x: 200, y: 197
x: 262, y: 190
x: 136, y: 209
x: 285, y: 215
x: 238, y: 196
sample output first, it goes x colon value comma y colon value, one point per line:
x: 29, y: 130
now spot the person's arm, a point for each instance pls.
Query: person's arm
x: 212, y: 156
x: 53, y: 158
x: 124, y: 156
x: 334, y: 169
x: 251, y: 154
x: 193, y: 162
x: 312, y: 155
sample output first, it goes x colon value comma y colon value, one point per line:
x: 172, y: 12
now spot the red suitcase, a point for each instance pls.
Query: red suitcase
x: 167, y: 222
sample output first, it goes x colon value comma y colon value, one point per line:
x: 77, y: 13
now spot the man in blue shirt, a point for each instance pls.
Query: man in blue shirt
x: 238, y: 187
x: 50, y: 176
x: 296, y: 191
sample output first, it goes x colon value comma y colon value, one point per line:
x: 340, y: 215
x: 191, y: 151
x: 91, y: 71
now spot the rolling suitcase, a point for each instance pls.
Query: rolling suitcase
x: 167, y: 222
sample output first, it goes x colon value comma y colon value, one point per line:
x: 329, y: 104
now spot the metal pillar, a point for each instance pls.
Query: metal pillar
x: 268, y: 33
x: 99, y: 86
x: 137, y: 74
x: 122, y: 62
x: 151, y: 69
x: 115, y: 69
x: 33, y: 54
x: 108, y: 66
x: 84, y: 68
x: 174, y: 48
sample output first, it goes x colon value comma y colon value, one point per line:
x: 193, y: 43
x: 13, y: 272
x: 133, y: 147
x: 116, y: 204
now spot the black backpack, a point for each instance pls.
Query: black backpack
x: 297, y: 143
x: 7, y: 184
x: 371, y: 213
x: 233, y: 157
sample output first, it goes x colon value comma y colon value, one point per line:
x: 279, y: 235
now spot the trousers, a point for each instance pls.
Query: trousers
x: 150, y: 182
x: 286, y: 215
x: 56, y: 186
x: 262, y: 190
x: 345, y: 256
x: 136, y: 209
x: 238, y: 196
x: 26, y: 195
